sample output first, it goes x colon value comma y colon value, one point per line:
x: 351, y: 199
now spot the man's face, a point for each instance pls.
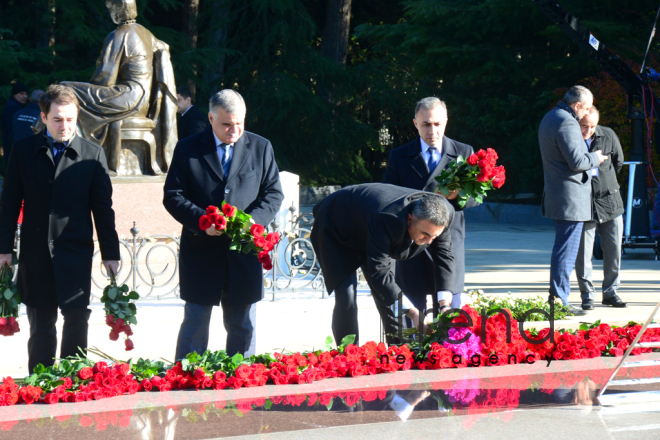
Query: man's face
x: 182, y: 104
x: 588, y: 125
x: 431, y: 125
x: 21, y: 97
x: 423, y: 231
x: 582, y: 108
x: 61, y: 121
x: 227, y: 127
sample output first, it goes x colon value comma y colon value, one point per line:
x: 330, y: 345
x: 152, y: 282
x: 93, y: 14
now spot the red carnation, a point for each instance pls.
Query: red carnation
x: 273, y: 237
x: 221, y: 223
x: 257, y: 230
x: 473, y: 159
x: 229, y: 210
x: 259, y: 241
x: 204, y: 222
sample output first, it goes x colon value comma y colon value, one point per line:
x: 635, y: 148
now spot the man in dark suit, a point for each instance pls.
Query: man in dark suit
x: 221, y: 163
x: 415, y: 165
x: 64, y: 181
x: 369, y: 226
x: 192, y: 120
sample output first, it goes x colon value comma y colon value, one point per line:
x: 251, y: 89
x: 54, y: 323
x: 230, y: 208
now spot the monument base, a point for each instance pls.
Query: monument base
x: 139, y: 199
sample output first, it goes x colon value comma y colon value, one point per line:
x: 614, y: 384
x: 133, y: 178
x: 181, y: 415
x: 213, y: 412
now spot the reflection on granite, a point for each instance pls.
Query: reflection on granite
x: 197, y: 415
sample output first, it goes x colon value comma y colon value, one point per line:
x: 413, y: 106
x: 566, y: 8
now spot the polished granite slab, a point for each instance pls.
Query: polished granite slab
x: 454, y: 400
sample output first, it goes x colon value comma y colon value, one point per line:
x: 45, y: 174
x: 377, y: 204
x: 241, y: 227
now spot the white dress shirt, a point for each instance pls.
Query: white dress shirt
x: 221, y: 150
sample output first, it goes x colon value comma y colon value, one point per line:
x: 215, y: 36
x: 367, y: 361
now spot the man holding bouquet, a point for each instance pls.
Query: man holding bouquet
x: 415, y: 165
x: 221, y: 163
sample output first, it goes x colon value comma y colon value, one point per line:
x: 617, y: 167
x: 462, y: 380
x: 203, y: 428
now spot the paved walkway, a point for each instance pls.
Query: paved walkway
x: 500, y: 258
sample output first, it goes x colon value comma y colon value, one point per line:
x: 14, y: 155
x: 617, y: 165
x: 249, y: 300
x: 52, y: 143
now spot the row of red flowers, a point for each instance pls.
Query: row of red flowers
x: 79, y: 379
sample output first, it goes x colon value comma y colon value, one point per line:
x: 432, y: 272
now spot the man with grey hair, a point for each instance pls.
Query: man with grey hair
x: 607, y: 215
x: 567, y: 165
x: 368, y: 226
x: 221, y: 163
x: 26, y: 118
x: 415, y: 165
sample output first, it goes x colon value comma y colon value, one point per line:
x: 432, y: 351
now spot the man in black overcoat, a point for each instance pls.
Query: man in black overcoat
x: 192, y: 120
x: 369, y: 226
x: 415, y: 165
x: 18, y: 98
x: 221, y: 163
x: 63, y: 180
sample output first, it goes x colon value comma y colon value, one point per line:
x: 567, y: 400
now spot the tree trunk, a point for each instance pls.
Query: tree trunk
x: 216, y: 67
x: 335, y: 35
x: 190, y: 13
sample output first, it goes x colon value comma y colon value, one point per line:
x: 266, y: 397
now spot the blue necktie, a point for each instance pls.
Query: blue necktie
x: 432, y: 163
x: 225, y: 159
x: 58, y: 150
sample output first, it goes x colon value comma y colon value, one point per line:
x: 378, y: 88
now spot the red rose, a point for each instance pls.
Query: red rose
x: 486, y: 174
x: 268, y: 246
x: 109, y: 319
x: 123, y: 368
x: 211, y: 210
x: 129, y: 345
x: 229, y: 210
x: 500, y: 177
x: 473, y: 159
x: 114, y: 335
x: 259, y: 241
x: 51, y: 398
x: 204, y: 222
x: 273, y: 237
x: 213, y: 218
x: 219, y: 376
x: 243, y: 372
x: 85, y: 373
x: 257, y: 230
x: 481, y: 154
x: 268, y: 265
x: 127, y: 329
x: 221, y: 223
x: 263, y: 257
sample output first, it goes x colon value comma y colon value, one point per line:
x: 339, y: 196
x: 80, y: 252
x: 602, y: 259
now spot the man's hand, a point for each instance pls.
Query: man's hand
x: 213, y: 232
x: 601, y: 157
x: 110, y: 266
x: 7, y: 259
x: 453, y: 195
x: 413, y: 314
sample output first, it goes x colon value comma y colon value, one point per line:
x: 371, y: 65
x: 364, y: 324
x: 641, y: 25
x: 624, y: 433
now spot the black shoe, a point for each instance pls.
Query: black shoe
x: 587, y: 304
x: 614, y: 301
x: 572, y: 311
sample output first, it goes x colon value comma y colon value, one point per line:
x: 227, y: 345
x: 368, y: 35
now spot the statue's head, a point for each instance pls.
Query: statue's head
x: 121, y: 11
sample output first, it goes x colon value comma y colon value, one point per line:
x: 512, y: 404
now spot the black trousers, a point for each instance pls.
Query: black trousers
x: 345, y: 313
x: 42, y: 345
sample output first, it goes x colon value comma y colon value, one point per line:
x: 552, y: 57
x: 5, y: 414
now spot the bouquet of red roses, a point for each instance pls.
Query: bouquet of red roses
x: 9, y: 302
x: 471, y: 177
x: 119, y: 310
x: 246, y: 236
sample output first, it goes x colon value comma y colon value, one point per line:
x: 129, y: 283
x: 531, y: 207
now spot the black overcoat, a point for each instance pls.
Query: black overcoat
x: 407, y: 167
x: 366, y: 226
x: 56, y: 249
x: 208, y: 270
x: 193, y: 122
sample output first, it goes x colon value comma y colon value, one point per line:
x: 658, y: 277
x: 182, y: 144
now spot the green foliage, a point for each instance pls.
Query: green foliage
x: 117, y: 301
x: 498, y: 64
x: 517, y: 306
x: 10, y: 299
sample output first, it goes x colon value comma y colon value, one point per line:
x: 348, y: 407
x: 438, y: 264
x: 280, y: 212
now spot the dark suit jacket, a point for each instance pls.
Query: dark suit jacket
x: 193, y: 122
x: 11, y: 107
x: 208, y: 270
x: 56, y: 249
x: 407, y: 167
x: 607, y: 200
x: 366, y: 225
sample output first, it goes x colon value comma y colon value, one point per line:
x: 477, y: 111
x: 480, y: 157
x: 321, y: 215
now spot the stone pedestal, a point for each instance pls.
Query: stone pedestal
x: 140, y: 200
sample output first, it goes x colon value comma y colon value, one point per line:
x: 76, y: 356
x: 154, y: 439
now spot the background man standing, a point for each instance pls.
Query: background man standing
x: 221, y: 163
x: 567, y: 168
x: 369, y: 226
x: 192, y: 120
x: 415, y: 165
x: 19, y: 96
x: 26, y: 118
x: 64, y: 180
x: 607, y: 219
